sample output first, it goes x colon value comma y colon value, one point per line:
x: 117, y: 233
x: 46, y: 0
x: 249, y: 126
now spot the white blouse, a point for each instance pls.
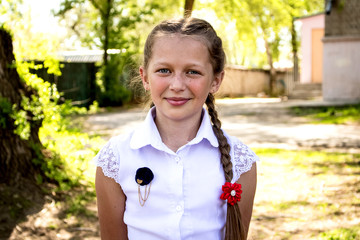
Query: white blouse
x: 184, y: 200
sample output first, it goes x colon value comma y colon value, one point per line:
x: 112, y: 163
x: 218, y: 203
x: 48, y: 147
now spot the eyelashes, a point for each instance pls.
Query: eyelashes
x: 163, y: 71
x: 167, y: 71
x: 192, y: 72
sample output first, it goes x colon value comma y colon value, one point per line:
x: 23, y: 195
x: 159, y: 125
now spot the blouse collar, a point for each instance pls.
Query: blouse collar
x: 148, y: 134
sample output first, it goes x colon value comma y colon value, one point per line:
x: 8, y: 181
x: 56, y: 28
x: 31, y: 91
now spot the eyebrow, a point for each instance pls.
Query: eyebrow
x: 164, y: 63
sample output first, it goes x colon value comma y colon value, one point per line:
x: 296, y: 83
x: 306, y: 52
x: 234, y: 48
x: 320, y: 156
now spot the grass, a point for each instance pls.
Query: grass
x: 73, y: 150
x: 77, y: 203
x: 341, y: 233
x: 348, y: 114
x: 306, y: 195
x: 70, y: 201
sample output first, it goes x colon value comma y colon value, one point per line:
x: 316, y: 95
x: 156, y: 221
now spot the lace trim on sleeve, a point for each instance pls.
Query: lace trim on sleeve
x: 244, y: 158
x: 106, y: 159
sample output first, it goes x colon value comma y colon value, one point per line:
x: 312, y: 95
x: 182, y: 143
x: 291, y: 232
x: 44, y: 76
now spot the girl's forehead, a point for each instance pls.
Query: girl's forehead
x: 179, y: 36
x: 179, y: 46
x: 179, y: 49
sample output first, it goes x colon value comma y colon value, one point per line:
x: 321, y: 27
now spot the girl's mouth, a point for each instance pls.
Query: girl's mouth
x: 177, y: 101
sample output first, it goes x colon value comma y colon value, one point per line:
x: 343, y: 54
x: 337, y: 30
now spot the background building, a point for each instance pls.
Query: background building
x: 341, y: 59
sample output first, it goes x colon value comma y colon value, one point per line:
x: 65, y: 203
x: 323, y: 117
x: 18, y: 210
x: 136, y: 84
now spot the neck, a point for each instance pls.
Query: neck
x: 179, y: 133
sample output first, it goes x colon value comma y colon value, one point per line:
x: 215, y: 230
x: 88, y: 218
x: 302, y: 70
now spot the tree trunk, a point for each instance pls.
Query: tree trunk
x: 16, y: 154
x: 272, y: 69
x: 106, y: 22
x: 294, y: 50
x: 106, y: 25
x: 188, y: 8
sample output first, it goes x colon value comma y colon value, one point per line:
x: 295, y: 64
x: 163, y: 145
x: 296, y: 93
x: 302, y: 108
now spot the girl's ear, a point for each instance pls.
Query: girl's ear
x: 215, y: 85
x: 144, y: 79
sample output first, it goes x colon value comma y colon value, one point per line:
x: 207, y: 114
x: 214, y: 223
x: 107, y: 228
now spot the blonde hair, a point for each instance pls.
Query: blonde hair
x: 203, y: 31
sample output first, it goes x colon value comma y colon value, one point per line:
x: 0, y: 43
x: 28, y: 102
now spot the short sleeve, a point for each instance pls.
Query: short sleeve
x: 108, y: 162
x: 243, y: 159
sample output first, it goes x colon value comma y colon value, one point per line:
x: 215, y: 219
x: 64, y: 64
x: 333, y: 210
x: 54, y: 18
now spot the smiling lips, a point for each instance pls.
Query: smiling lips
x: 176, y: 101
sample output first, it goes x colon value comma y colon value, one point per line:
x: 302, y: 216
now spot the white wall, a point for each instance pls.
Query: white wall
x: 341, y: 69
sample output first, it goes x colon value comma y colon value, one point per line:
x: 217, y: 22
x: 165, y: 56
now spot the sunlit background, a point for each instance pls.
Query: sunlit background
x: 74, y: 85
x: 244, y: 44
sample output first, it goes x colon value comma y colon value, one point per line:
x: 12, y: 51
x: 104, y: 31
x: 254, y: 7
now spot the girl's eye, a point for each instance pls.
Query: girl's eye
x: 192, y: 72
x: 163, y: 70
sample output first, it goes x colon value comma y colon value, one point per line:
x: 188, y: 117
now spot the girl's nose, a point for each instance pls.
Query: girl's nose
x: 177, y: 83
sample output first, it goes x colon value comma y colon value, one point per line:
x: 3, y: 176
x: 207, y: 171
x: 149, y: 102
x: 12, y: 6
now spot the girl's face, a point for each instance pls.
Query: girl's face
x: 179, y: 77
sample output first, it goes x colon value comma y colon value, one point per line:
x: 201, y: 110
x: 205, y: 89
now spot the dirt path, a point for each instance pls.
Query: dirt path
x: 257, y: 122
x: 270, y: 124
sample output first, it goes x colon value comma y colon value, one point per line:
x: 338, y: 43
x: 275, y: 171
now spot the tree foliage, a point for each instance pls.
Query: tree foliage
x: 29, y: 44
x: 20, y: 119
x: 27, y: 100
x: 109, y: 24
x: 260, y: 22
x: 296, y: 9
x: 264, y: 24
x: 29, y: 109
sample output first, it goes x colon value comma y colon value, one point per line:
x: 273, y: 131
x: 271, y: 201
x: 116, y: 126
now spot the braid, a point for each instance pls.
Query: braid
x: 234, y: 229
x: 224, y: 146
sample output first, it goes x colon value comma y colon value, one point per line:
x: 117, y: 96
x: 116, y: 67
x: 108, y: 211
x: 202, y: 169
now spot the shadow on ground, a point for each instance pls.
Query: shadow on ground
x: 16, y: 203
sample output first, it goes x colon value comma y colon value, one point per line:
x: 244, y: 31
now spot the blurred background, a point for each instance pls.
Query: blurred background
x: 65, y: 68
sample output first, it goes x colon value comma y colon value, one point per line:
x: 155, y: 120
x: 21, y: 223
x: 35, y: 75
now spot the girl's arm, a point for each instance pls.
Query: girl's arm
x: 248, y: 185
x: 111, y: 207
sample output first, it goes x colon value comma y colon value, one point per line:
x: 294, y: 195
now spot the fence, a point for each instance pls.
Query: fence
x: 240, y: 82
x: 76, y: 83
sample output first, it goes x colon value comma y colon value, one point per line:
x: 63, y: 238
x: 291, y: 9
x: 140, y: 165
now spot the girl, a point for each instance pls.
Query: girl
x: 178, y: 175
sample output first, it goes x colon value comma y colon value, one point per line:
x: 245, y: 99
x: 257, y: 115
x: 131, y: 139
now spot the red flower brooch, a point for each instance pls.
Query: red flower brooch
x: 231, y: 192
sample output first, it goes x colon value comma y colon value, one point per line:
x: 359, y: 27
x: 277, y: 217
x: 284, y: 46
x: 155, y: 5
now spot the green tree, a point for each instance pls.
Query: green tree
x: 269, y: 16
x: 109, y: 24
x: 268, y: 20
x: 27, y: 102
x: 19, y: 128
x: 28, y: 44
x: 298, y: 8
x: 24, y: 98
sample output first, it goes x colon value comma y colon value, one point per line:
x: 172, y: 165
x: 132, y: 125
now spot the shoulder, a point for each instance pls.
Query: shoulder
x: 242, y: 157
x: 108, y: 158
